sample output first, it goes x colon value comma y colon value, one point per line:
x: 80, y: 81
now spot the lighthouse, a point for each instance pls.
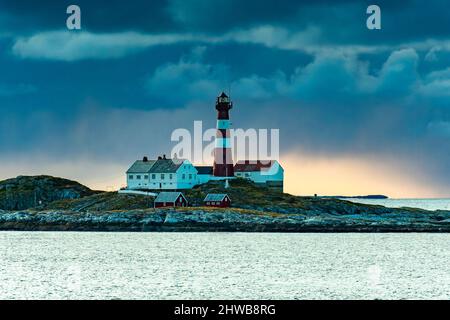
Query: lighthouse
x: 223, y: 161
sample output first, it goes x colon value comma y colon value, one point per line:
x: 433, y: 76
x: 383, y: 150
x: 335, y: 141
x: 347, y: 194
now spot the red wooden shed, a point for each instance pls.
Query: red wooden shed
x: 217, y: 200
x: 170, y: 199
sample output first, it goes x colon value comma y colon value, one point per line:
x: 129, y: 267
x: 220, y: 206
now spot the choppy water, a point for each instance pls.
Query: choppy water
x: 427, y: 204
x: 75, y: 265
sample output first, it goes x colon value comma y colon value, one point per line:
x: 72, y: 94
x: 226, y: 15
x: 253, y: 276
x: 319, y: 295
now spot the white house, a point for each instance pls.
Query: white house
x: 137, y: 175
x: 265, y: 172
x: 161, y: 174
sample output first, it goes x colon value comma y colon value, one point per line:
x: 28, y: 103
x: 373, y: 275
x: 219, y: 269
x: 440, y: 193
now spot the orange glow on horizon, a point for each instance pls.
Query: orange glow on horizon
x: 303, y: 175
x: 350, y: 176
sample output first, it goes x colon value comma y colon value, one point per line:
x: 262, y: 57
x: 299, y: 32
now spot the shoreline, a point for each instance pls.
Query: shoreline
x: 228, y: 220
x: 225, y: 230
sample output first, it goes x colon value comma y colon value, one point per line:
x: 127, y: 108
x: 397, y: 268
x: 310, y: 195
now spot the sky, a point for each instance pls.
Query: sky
x: 359, y: 111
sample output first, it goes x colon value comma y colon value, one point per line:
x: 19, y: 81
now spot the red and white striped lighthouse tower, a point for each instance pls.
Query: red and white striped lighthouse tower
x: 223, y: 160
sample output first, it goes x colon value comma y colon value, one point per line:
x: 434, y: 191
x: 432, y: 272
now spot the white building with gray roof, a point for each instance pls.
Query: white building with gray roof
x: 161, y: 174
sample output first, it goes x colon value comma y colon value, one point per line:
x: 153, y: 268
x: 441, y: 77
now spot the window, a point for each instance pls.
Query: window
x: 130, y: 177
x: 138, y: 177
x: 207, y: 202
x: 162, y: 176
x: 247, y: 174
x: 170, y: 176
x: 190, y: 176
x: 146, y: 176
x: 183, y: 176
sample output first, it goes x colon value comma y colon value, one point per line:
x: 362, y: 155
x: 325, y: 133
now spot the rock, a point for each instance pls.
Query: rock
x: 185, y: 219
x: 26, y: 192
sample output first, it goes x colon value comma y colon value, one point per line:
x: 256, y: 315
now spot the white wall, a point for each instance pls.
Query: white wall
x: 184, y: 178
x: 144, y: 193
x: 275, y: 173
x: 136, y: 183
x: 162, y: 181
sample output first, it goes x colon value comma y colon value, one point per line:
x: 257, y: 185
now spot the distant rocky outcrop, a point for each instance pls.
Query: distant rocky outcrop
x: 25, y: 192
x: 370, y: 196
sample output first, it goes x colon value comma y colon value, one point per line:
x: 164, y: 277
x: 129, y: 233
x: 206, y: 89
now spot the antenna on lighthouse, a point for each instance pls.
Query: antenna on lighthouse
x: 229, y: 89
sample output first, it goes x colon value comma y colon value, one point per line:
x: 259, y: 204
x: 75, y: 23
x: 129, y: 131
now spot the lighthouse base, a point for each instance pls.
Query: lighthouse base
x: 223, y: 170
x: 214, y: 178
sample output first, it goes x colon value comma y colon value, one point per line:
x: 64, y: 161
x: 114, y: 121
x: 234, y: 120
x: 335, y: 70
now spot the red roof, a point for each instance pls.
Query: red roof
x: 253, y: 165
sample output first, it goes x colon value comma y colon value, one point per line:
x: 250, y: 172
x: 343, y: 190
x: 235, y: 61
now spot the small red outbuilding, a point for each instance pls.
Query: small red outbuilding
x: 170, y: 199
x: 217, y: 200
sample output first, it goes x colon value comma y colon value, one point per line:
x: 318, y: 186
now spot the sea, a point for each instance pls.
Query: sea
x: 126, y: 265
x: 427, y: 204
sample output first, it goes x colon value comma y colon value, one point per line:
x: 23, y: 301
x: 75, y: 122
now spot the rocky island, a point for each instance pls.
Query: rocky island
x: 53, y: 204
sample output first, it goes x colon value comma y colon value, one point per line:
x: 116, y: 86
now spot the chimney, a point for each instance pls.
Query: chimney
x: 159, y: 158
x: 164, y: 157
x: 145, y: 159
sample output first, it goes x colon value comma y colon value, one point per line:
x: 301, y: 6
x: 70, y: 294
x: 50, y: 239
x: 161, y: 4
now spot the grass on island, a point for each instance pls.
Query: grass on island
x: 245, y: 196
x: 41, y: 183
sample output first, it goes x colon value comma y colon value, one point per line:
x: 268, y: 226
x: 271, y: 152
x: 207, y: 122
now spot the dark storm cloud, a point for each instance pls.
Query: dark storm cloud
x: 339, y: 21
x: 332, y: 105
x: 139, y: 69
x: 29, y: 16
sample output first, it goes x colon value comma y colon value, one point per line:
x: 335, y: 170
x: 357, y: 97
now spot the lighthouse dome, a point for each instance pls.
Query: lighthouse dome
x: 223, y: 98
